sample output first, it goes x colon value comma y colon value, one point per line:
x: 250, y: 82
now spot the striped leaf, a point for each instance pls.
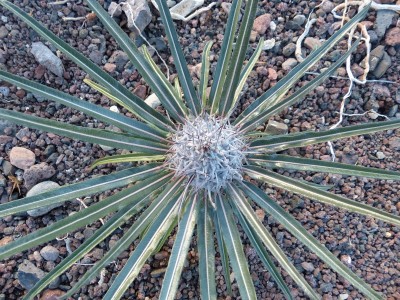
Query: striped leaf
x: 85, y: 188
x: 239, y: 52
x: 130, y: 125
x: 279, y: 106
x: 269, y: 242
x: 100, y: 235
x: 295, y: 228
x: 273, y: 95
x: 205, y: 247
x: 235, y: 249
x: 132, y: 102
x: 205, y: 70
x: 282, y: 142
x: 244, y: 74
x: 263, y: 254
x: 180, y: 63
x: 180, y: 249
x: 223, y: 253
x: 91, y: 135
x: 162, y: 77
x: 164, y: 202
x: 165, y: 95
x: 143, y: 251
x: 304, y: 164
x: 87, y: 216
x: 123, y: 158
x: 309, y: 191
x: 219, y: 75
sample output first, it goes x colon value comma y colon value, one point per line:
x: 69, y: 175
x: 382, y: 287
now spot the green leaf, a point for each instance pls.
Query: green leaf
x: 91, y: 135
x: 164, y: 202
x: 263, y: 254
x: 131, y: 157
x: 269, y: 242
x: 86, y: 216
x: 132, y: 102
x: 180, y: 63
x: 166, y: 96
x: 100, y: 235
x: 295, y: 227
x: 205, y: 70
x: 87, y: 187
x: 224, y: 59
x: 180, y: 249
x: 143, y: 251
x: 223, y: 253
x: 235, y: 249
x: 304, y: 164
x: 282, y: 142
x: 205, y: 247
x: 162, y: 77
x: 239, y: 53
x: 130, y: 125
x: 273, y: 95
x: 309, y: 191
x: 245, y: 73
x: 276, y: 108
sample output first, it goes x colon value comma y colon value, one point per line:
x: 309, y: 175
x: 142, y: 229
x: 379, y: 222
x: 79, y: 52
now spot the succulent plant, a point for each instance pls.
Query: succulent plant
x: 198, y: 168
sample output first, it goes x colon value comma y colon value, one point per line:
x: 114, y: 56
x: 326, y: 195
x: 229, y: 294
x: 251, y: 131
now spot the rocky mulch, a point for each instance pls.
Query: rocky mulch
x: 32, y: 160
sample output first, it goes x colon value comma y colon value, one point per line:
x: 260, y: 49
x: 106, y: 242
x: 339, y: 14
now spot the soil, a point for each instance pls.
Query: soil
x: 371, y: 248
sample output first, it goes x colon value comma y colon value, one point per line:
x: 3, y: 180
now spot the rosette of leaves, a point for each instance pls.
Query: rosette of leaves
x: 195, y: 166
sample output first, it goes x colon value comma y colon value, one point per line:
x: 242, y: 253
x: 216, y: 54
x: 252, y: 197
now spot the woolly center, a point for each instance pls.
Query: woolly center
x: 209, y: 152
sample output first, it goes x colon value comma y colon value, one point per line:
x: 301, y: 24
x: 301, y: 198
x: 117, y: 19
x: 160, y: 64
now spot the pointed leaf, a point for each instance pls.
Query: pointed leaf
x: 224, y: 59
x: 180, y: 249
x: 130, y: 125
x: 269, y: 242
x: 180, y: 63
x: 134, y: 103
x: 282, y: 142
x: 307, y: 190
x: 205, y: 70
x: 205, y: 246
x: 164, y: 202
x: 87, y: 187
x: 276, y: 107
x: 235, y: 249
x: 86, y: 216
x: 131, y: 157
x: 263, y: 254
x: 91, y: 135
x: 143, y: 251
x: 295, y: 227
x: 239, y: 52
x: 273, y: 95
x: 246, y: 72
x: 305, y: 164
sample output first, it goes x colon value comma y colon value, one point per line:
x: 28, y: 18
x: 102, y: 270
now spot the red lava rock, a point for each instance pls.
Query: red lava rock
x: 110, y: 68
x: 161, y: 255
x: 20, y: 94
x: 51, y: 294
x: 140, y: 91
x: 393, y: 36
x: 22, y: 158
x: 37, y: 173
x: 5, y: 240
x: 261, y: 23
x: 39, y: 71
x: 272, y: 75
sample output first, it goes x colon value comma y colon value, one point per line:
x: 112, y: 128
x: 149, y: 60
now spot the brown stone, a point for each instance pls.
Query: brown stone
x: 140, y: 91
x: 52, y: 294
x: 22, y: 158
x: 261, y: 23
x: 393, y: 37
x: 110, y: 68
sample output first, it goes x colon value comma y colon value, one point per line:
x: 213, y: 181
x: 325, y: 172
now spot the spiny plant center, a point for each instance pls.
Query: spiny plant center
x: 208, y: 151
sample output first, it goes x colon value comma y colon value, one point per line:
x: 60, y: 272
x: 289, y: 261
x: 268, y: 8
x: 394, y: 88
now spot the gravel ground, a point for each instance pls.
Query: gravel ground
x: 371, y: 248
